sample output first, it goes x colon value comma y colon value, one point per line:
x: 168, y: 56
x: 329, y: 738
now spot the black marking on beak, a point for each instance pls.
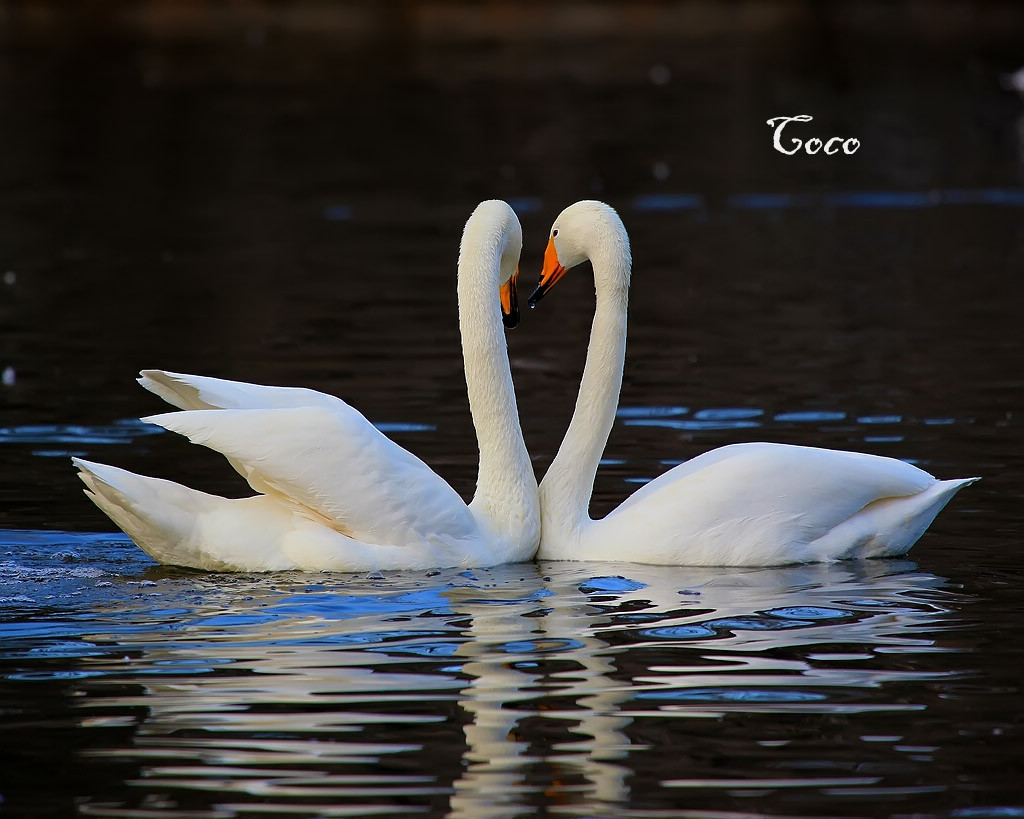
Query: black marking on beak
x: 545, y: 284
x: 511, y: 318
x: 537, y: 295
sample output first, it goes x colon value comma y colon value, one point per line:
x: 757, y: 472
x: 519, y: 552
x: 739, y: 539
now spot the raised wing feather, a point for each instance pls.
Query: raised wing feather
x: 200, y: 392
x: 193, y: 392
x: 332, y: 463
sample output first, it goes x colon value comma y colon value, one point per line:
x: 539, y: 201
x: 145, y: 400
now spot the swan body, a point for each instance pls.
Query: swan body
x: 756, y: 504
x: 335, y: 494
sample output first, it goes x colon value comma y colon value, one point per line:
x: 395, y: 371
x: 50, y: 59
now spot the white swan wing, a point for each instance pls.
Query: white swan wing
x: 184, y: 527
x: 201, y: 392
x: 765, y: 498
x: 766, y: 474
x: 332, y: 463
x: 194, y: 392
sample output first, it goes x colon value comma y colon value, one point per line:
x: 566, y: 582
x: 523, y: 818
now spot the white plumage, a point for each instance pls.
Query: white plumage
x: 335, y: 493
x: 758, y: 504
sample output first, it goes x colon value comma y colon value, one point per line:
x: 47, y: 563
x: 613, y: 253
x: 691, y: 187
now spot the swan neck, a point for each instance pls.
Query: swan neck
x: 506, y: 486
x: 569, y: 483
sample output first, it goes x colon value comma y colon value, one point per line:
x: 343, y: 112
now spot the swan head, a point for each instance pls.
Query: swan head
x: 587, y: 230
x: 494, y: 227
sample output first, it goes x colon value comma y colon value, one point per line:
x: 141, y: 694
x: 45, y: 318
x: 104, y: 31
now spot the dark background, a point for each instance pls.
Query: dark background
x: 274, y: 192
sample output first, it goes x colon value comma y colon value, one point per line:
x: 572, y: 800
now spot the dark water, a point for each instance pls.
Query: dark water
x: 280, y: 201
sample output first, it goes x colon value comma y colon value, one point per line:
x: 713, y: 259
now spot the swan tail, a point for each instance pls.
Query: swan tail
x: 888, y: 527
x: 159, y: 515
x: 179, y: 526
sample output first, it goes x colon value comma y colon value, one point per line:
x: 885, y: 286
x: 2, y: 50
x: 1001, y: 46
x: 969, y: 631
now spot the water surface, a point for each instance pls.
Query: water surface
x: 603, y: 689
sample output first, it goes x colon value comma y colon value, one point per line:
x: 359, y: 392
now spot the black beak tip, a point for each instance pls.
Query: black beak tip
x: 536, y: 296
x: 510, y: 320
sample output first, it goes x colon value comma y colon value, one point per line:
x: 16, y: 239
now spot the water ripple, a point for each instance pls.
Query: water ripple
x: 120, y: 432
x: 403, y: 688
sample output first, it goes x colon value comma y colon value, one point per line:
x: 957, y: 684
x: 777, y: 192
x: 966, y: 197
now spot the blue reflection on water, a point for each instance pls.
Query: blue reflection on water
x: 984, y: 196
x: 668, y: 202
x: 616, y: 583
x: 759, y: 201
x: 119, y: 432
x: 679, y: 632
x: 1007, y: 197
x: 732, y: 695
x: 650, y: 412
x: 810, y: 416
x: 672, y: 423
x: 809, y: 613
x: 242, y: 684
x: 124, y: 432
x: 883, y: 199
x: 396, y: 426
x: 728, y: 414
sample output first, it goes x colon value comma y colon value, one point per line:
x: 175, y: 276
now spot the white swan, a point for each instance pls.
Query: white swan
x: 755, y: 504
x: 336, y: 494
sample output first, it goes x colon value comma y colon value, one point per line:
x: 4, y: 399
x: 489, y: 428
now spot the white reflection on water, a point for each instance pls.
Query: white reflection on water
x: 349, y: 696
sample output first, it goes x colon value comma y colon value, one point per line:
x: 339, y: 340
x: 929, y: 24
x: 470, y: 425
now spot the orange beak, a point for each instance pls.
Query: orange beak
x: 510, y: 301
x: 549, y: 275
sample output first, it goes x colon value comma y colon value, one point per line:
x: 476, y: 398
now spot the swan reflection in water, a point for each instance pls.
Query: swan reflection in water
x: 476, y: 692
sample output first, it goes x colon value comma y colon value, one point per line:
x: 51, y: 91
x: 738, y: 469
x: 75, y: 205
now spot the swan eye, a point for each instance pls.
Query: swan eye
x: 554, y: 233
